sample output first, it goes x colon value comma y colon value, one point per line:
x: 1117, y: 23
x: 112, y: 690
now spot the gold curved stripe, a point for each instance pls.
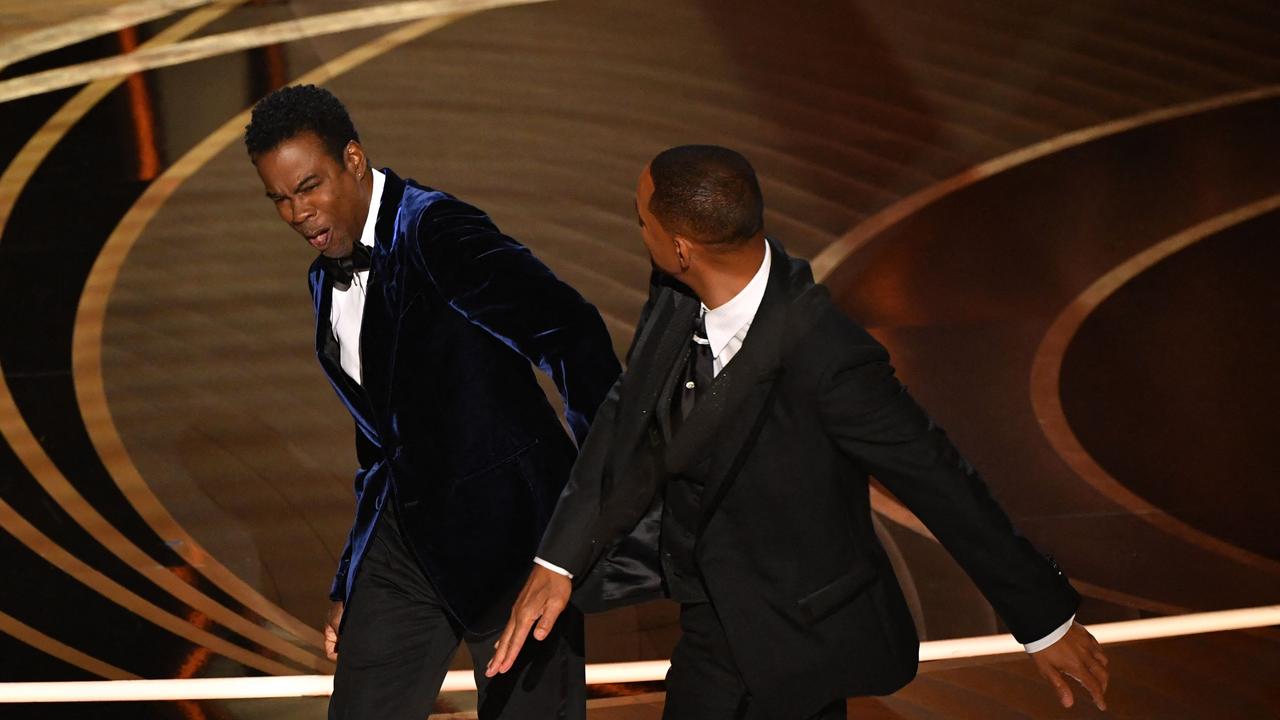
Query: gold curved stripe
x: 15, y: 628
x: 57, y: 556
x: 1046, y: 369
x: 32, y: 454
x: 835, y: 254
x: 239, y: 40
x: 29, y: 451
x: 122, y: 16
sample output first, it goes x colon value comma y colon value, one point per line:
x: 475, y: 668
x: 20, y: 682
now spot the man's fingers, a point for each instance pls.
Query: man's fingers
x: 515, y: 643
x: 330, y: 642
x: 548, y: 619
x: 1085, y: 677
x: 500, y: 648
x: 1100, y: 676
x: 510, y: 644
x: 1059, y: 685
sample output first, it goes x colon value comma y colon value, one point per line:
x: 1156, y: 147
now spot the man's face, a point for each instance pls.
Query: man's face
x: 315, y: 194
x: 661, y: 244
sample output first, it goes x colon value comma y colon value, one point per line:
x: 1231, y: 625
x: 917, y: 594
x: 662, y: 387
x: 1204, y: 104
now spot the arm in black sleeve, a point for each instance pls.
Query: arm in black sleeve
x: 870, y: 416
x: 567, y: 542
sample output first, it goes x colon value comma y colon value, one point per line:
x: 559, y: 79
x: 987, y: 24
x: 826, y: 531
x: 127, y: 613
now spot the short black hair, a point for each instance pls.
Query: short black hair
x: 293, y: 110
x: 708, y: 193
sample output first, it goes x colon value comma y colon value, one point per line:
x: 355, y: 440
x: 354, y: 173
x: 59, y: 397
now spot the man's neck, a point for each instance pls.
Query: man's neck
x: 723, y: 275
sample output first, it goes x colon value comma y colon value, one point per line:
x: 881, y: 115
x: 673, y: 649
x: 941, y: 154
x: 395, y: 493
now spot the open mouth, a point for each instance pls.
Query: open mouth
x: 319, y: 239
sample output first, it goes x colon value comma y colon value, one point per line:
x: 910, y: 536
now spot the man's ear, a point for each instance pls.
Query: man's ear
x: 355, y: 160
x: 684, y: 250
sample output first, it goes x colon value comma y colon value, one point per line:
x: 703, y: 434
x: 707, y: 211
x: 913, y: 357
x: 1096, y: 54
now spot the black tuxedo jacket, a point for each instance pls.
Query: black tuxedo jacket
x: 450, y: 421
x: 793, y: 425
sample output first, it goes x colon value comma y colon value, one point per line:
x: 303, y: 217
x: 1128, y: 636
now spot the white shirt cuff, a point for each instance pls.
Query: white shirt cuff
x: 561, y: 571
x: 1051, y: 638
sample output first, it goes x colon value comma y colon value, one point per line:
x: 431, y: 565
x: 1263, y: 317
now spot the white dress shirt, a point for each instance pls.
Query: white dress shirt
x: 727, y: 327
x: 347, y: 309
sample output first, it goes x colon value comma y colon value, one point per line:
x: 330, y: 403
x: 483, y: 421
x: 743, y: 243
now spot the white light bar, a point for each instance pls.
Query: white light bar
x: 460, y: 680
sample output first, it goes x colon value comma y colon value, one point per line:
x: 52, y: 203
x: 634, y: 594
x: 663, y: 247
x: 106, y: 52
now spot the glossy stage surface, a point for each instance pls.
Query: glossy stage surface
x: 1061, y: 219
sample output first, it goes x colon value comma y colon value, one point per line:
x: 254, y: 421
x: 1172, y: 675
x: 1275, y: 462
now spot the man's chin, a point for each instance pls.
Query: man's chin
x: 336, y: 252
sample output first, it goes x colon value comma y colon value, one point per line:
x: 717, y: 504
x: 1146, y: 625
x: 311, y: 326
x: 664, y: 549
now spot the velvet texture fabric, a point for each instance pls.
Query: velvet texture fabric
x: 451, y: 423
x: 782, y: 444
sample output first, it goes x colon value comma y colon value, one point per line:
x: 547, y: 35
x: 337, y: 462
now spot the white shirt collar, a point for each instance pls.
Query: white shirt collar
x: 375, y: 203
x: 726, y: 321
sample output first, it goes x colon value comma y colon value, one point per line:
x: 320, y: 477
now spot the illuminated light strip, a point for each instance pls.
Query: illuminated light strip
x: 1046, y: 398
x: 270, y: 34
x: 600, y: 674
x: 71, y: 32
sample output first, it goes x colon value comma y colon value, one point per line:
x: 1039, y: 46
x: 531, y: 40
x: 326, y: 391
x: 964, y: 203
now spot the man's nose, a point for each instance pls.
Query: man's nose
x: 300, y: 212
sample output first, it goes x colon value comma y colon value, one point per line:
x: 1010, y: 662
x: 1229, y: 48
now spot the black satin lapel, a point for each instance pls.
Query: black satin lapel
x: 724, y: 408
x: 326, y: 343
x: 330, y: 356
x: 670, y: 325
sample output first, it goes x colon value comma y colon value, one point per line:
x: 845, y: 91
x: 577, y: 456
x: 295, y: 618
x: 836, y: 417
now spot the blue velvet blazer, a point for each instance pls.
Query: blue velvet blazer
x: 451, y: 424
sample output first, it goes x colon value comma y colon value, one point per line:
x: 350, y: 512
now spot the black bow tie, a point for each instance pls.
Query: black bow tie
x: 344, y: 269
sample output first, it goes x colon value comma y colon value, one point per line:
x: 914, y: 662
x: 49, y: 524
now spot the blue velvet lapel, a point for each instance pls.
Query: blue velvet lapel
x: 351, y: 394
x: 376, y: 325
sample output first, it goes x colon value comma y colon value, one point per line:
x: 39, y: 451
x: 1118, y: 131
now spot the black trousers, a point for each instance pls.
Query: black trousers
x: 704, y: 683
x: 398, y: 640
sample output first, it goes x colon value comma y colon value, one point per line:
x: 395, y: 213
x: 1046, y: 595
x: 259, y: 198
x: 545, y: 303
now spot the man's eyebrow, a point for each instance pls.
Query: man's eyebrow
x: 304, y: 181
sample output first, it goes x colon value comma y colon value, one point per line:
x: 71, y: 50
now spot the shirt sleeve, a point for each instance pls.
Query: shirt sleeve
x: 561, y: 571
x: 1053, y: 637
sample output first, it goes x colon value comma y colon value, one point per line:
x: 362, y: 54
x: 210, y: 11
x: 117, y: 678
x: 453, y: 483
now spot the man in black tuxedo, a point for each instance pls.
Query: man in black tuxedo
x: 728, y: 467
x: 427, y: 320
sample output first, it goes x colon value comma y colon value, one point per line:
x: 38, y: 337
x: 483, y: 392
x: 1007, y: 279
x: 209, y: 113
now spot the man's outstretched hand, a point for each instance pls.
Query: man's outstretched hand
x: 1077, y: 655
x: 543, y: 598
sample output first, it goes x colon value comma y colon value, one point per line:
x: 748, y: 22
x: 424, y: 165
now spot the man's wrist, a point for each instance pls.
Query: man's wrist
x: 553, y: 568
x: 1045, y: 642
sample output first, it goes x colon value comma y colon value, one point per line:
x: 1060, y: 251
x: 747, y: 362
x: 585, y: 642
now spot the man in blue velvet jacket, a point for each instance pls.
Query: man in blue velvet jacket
x: 428, y: 319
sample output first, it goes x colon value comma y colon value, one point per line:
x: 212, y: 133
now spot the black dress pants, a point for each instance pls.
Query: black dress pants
x: 704, y: 683
x: 398, y: 640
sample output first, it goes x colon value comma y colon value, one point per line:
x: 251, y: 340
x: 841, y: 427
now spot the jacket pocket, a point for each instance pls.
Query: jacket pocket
x: 836, y: 594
